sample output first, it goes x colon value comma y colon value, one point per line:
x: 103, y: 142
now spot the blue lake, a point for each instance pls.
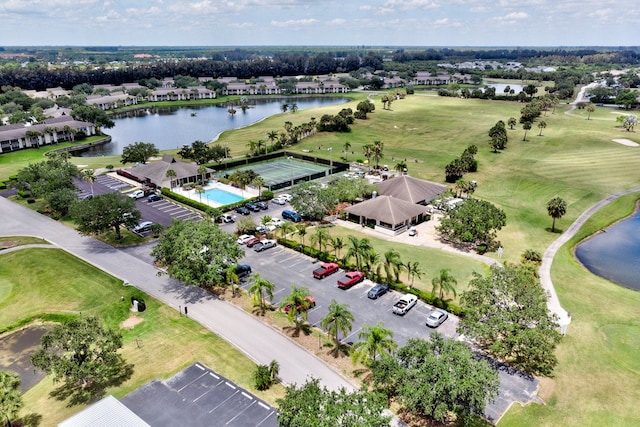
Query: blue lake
x: 614, y: 253
x: 170, y: 128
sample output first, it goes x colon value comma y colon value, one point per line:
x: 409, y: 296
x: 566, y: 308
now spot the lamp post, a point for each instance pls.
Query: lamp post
x: 330, y: 160
x: 290, y: 158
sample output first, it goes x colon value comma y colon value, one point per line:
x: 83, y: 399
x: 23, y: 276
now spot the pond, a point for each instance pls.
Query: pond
x: 169, y: 128
x: 614, y: 253
x: 501, y: 86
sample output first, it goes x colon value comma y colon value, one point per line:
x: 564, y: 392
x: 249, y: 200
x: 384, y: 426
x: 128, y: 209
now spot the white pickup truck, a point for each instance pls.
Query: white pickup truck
x: 404, y: 304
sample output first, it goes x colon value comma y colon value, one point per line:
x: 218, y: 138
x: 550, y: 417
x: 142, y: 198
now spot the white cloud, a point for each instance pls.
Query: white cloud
x: 337, y: 21
x: 515, y: 15
x: 411, y: 4
x: 295, y: 23
x: 242, y: 25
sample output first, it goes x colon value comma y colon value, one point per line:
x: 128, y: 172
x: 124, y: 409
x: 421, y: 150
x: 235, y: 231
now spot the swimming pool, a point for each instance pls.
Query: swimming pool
x: 220, y: 196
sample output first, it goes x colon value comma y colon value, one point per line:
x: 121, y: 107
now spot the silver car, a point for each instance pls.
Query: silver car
x: 436, y: 318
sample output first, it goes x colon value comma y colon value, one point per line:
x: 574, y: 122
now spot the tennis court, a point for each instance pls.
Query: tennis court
x: 281, y: 172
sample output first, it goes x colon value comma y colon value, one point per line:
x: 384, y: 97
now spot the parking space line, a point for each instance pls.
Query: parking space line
x: 350, y: 335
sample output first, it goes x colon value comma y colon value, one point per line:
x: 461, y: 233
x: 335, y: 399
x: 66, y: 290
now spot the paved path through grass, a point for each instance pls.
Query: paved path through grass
x: 258, y: 341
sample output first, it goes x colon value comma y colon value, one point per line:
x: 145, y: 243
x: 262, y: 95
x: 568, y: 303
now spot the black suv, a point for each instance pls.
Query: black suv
x: 243, y: 211
x: 262, y: 205
x: 252, y: 207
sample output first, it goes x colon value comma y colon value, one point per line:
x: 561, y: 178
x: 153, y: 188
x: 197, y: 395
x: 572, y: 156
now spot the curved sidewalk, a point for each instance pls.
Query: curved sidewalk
x: 255, y: 339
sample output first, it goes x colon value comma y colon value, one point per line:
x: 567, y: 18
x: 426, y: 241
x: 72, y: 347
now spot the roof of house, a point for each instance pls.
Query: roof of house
x: 387, y: 209
x: 108, y: 412
x: 410, y: 189
x: 157, y: 171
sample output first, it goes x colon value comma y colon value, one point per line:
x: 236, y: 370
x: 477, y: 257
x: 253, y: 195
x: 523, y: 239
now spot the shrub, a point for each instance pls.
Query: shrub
x: 532, y: 256
x: 267, y: 195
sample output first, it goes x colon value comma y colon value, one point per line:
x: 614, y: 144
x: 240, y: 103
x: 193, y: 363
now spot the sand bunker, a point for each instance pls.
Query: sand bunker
x: 131, y: 322
x: 626, y: 142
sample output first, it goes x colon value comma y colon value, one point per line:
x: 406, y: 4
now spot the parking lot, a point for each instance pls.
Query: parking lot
x: 285, y: 267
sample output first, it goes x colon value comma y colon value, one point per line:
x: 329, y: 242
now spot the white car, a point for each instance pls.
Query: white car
x: 286, y: 197
x: 244, y: 239
x: 437, y: 318
x: 265, y: 228
x: 138, y: 194
x: 142, y: 227
x: 279, y: 201
x: 277, y: 222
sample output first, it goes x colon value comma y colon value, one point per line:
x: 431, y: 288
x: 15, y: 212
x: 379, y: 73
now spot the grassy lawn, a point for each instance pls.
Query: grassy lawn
x: 431, y: 260
x: 59, y: 283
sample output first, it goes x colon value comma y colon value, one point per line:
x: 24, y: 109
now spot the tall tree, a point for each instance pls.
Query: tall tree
x: 321, y: 237
x: 89, y: 176
x: 512, y: 122
x: 10, y: 397
x: 374, y: 341
x: 345, y: 149
x: 444, y: 282
x: 437, y: 378
x: 392, y: 266
x: 378, y: 152
x: 197, y: 253
x: 105, y: 212
x: 338, y: 319
x: 337, y: 243
x: 541, y: 125
x: 297, y: 305
x: 138, y: 152
x: 506, y: 315
x: 527, y: 127
x: 83, y: 355
x: 367, y: 152
x: 590, y: 109
x: 171, y: 174
x: 472, y: 222
x: 310, y: 405
x: 260, y: 289
x: 556, y: 208
x: 413, y: 270
x: 357, y: 248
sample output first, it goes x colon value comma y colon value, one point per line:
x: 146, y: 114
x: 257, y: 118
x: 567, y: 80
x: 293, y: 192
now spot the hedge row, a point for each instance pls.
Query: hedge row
x: 214, y: 212
x: 427, y: 297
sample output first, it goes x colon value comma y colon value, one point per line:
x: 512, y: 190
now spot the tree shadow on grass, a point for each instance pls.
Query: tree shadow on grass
x: 29, y: 420
x: 555, y: 231
x: 78, y: 395
x: 294, y: 330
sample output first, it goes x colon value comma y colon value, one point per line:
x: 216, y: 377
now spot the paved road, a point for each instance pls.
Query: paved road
x: 257, y: 340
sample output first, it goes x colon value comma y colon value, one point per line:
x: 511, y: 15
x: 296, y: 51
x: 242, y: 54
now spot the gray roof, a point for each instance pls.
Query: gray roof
x: 411, y: 189
x: 387, y: 209
x: 108, y: 412
x: 157, y: 171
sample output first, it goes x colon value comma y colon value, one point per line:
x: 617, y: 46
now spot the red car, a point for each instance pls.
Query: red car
x: 350, y: 279
x: 310, y: 299
x: 253, y: 241
x: 325, y: 269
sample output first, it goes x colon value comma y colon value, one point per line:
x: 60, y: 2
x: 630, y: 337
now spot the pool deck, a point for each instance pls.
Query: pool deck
x: 248, y: 192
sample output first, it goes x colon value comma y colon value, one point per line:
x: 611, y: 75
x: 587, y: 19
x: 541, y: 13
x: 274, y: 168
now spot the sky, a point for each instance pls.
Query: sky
x: 452, y: 23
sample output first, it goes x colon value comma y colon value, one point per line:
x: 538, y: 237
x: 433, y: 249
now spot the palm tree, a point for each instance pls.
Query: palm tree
x: 527, y: 127
x: 371, y: 261
x: 374, y: 341
x: 10, y: 397
x: 392, y: 265
x: 302, y: 231
x: 541, y: 126
x: 231, y: 278
x: 413, y: 271
x: 367, y: 151
x: 346, y: 147
x: 337, y: 320
x: 556, y: 208
x: 89, y: 176
x: 512, y: 122
x: 258, y: 182
x: 202, y: 171
x: 590, y: 109
x: 299, y: 302
x: 287, y: 228
x: 200, y: 190
x: 252, y: 145
x: 357, y: 249
x: 401, y: 166
x: 259, y: 289
x: 337, y: 243
x: 171, y: 174
x: 444, y: 282
x: 378, y: 147
x: 320, y: 236
x: 273, y: 137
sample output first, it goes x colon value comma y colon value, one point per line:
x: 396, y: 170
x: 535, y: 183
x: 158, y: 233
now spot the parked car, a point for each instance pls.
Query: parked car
x: 279, y: 201
x: 404, y: 304
x: 243, y: 270
x: 244, y: 239
x: 413, y: 231
x: 377, y: 291
x: 350, y: 278
x: 154, y: 198
x: 277, y: 222
x: 309, y: 298
x: 251, y: 242
x: 227, y: 218
x: 262, y: 205
x: 137, y: 194
x: 142, y: 227
x: 243, y: 211
x: 325, y: 270
x: 291, y: 215
x: 286, y: 197
x: 264, y: 245
x: 436, y: 318
x: 252, y: 207
x: 266, y: 228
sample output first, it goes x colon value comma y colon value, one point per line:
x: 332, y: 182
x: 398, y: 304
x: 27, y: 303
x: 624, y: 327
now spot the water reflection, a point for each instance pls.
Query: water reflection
x: 174, y: 127
x: 614, y: 253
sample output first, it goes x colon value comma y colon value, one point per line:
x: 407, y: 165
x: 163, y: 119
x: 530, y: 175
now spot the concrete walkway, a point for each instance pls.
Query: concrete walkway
x: 258, y: 341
